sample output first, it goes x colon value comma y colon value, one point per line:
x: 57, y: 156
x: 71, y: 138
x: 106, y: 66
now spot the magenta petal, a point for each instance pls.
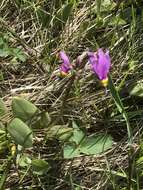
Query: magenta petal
x: 100, y: 62
x: 66, y: 65
x: 64, y: 69
x: 93, y: 60
x: 103, y: 65
x: 64, y: 58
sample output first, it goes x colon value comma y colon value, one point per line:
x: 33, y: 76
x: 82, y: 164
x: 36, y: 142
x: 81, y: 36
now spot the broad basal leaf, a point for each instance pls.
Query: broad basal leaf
x: 40, y: 167
x: 88, y: 146
x: 71, y: 151
x: 43, y: 121
x: 61, y: 132
x: 78, y: 134
x: 20, y: 133
x: 23, y: 109
x: 96, y: 144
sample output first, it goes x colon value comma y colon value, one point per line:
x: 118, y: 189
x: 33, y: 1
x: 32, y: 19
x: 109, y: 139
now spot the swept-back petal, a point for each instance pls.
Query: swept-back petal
x: 64, y: 58
x: 100, y: 63
x: 108, y: 59
x: 92, y: 60
x: 92, y: 57
x: 103, y: 65
x: 66, y: 65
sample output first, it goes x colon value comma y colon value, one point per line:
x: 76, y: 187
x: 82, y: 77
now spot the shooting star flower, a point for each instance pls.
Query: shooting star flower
x: 66, y: 66
x: 100, y: 64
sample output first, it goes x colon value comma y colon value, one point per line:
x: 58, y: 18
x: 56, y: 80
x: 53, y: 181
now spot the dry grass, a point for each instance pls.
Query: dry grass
x: 82, y: 100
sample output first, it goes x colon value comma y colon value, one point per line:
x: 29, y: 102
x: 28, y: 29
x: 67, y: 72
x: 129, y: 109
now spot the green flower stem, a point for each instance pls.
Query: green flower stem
x: 120, y: 107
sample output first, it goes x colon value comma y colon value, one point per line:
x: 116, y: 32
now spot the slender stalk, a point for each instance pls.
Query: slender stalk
x: 121, y: 109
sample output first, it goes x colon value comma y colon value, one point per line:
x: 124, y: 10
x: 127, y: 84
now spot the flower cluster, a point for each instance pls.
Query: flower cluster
x: 100, y: 64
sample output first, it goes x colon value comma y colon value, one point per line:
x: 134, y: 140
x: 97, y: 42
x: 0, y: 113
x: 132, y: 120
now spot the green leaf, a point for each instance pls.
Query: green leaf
x: 4, y: 52
x: 89, y: 145
x: 40, y: 167
x: 80, y: 143
x: 61, y: 132
x: 78, y: 134
x: 104, y: 6
x: 43, y: 121
x: 96, y: 144
x: 23, y: 109
x: 20, y: 133
x: 71, y: 151
x: 107, y: 5
x: 3, y: 109
x: 137, y: 90
x: 19, y: 54
x: 24, y: 161
x: 113, y: 21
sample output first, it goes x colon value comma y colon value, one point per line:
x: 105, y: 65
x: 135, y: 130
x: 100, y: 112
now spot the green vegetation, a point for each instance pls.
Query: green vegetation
x: 69, y: 131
